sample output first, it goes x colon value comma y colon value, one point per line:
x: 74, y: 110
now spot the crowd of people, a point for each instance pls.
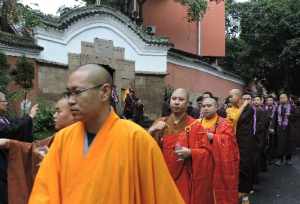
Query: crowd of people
x: 266, y: 130
x: 211, y: 154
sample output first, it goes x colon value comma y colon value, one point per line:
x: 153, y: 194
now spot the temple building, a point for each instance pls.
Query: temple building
x: 129, y: 39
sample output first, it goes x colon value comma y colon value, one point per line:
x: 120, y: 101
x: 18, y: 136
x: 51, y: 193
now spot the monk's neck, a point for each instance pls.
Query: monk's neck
x: 95, y: 124
x: 178, y: 117
x: 238, y: 104
x: 212, y: 117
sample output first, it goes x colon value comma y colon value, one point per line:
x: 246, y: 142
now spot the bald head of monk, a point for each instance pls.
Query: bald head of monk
x: 235, y: 96
x: 63, y: 116
x: 179, y: 101
x: 209, y: 107
x: 3, y: 103
x: 89, y: 93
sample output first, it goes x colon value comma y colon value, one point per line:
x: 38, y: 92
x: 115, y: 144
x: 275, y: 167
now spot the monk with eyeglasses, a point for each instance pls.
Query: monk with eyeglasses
x: 101, y: 159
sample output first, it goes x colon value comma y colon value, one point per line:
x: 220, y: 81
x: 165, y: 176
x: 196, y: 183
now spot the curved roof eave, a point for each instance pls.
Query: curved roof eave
x: 73, y: 15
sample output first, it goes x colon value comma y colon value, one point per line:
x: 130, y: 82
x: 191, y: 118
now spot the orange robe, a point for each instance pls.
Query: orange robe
x: 226, y: 155
x: 233, y: 115
x: 194, y: 176
x: 123, y: 165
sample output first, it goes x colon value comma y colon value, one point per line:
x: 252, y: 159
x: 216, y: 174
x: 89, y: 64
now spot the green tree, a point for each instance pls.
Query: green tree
x: 14, y: 12
x: 43, y: 124
x: 267, y: 42
x: 24, y: 75
x: 4, y: 72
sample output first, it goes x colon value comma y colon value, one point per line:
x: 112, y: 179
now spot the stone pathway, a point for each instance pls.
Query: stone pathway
x: 280, y: 185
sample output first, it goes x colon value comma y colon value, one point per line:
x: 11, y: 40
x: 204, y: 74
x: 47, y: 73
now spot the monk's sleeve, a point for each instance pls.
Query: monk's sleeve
x: 202, y: 168
x: 46, y: 189
x: 155, y: 182
x: 228, y: 150
x: 202, y: 162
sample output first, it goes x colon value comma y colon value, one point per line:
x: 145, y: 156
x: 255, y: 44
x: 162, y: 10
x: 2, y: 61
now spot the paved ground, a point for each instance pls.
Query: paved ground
x: 280, y: 185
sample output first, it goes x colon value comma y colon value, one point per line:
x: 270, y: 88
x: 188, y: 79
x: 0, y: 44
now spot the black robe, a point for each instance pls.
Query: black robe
x: 271, y: 135
x: 285, y: 142
x: 261, y: 133
x: 18, y: 129
x: 295, y: 126
x: 248, y: 146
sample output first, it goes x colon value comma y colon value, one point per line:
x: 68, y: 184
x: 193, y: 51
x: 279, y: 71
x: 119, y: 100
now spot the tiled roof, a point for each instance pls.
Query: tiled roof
x: 72, y: 15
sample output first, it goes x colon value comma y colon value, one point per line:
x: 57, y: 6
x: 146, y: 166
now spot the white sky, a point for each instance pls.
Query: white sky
x: 51, y: 6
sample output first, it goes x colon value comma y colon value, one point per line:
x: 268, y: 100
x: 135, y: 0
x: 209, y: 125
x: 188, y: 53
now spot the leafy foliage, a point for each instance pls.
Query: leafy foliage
x: 195, y: 9
x: 43, y: 124
x: 4, y: 72
x: 13, y: 12
x: 24, y: 73
x: 27, y: 16
x: 263, y: 42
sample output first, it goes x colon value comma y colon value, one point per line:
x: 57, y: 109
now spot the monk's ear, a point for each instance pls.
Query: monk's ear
x: 106, y: 92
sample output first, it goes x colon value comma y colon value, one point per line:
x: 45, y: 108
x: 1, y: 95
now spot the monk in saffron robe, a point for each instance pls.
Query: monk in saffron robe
x: 101, y: 159
x: 225, y: 150
x: 186, y: 150
x: 24, y: 158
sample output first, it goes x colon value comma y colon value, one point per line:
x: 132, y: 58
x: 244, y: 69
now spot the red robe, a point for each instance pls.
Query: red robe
x: 23, y: 164
x: 194, y: 177
x: 226, y: 155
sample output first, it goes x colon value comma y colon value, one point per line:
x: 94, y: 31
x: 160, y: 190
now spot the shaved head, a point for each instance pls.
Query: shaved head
x: 63, y: 116
x: 64, y: 101
x: 89, y: 90
x: 182, y: 92
x: 236, y: 92
x: 3, y: 102
x: 209, y: 107
x: 235, y: 96
x: 96, y: 74
x: 211, y: 101
x: 179, y: 101
x: 2, y: 95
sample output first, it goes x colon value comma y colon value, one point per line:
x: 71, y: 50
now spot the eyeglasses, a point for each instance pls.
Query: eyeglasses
x: 4, y: 101
x: 70, y: 93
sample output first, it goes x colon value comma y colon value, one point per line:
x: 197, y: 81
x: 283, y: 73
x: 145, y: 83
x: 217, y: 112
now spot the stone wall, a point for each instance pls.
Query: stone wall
x: 52, y: 78
x: 150, y: 89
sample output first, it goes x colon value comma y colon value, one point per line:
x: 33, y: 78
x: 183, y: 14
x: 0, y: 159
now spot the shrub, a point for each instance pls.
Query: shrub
x: 4, y: 75
x: 43, y: 124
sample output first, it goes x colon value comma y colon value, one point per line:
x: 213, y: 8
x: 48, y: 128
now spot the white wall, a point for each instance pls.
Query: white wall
x: 58, y: 44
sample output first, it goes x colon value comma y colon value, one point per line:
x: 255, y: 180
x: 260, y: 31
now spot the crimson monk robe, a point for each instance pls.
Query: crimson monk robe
x: 194, y: 175
x: 122, y: 165
x: 23, y: 164
x: 226, y: 156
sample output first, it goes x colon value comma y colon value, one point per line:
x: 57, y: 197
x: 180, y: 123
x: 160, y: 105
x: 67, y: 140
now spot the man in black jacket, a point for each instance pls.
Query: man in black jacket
x: 18, y: 129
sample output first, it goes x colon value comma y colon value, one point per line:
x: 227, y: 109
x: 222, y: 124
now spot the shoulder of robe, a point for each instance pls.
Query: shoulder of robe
x: 225, y: 123
x: 68, y: 132
x: 133, y: 130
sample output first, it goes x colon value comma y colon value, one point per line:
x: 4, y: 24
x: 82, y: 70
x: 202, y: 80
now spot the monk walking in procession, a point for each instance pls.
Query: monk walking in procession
x: 225, y: 150
x: 102, y: 158
x: 186, y: 150
x: 24, y: 158
x: 241, y: 114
